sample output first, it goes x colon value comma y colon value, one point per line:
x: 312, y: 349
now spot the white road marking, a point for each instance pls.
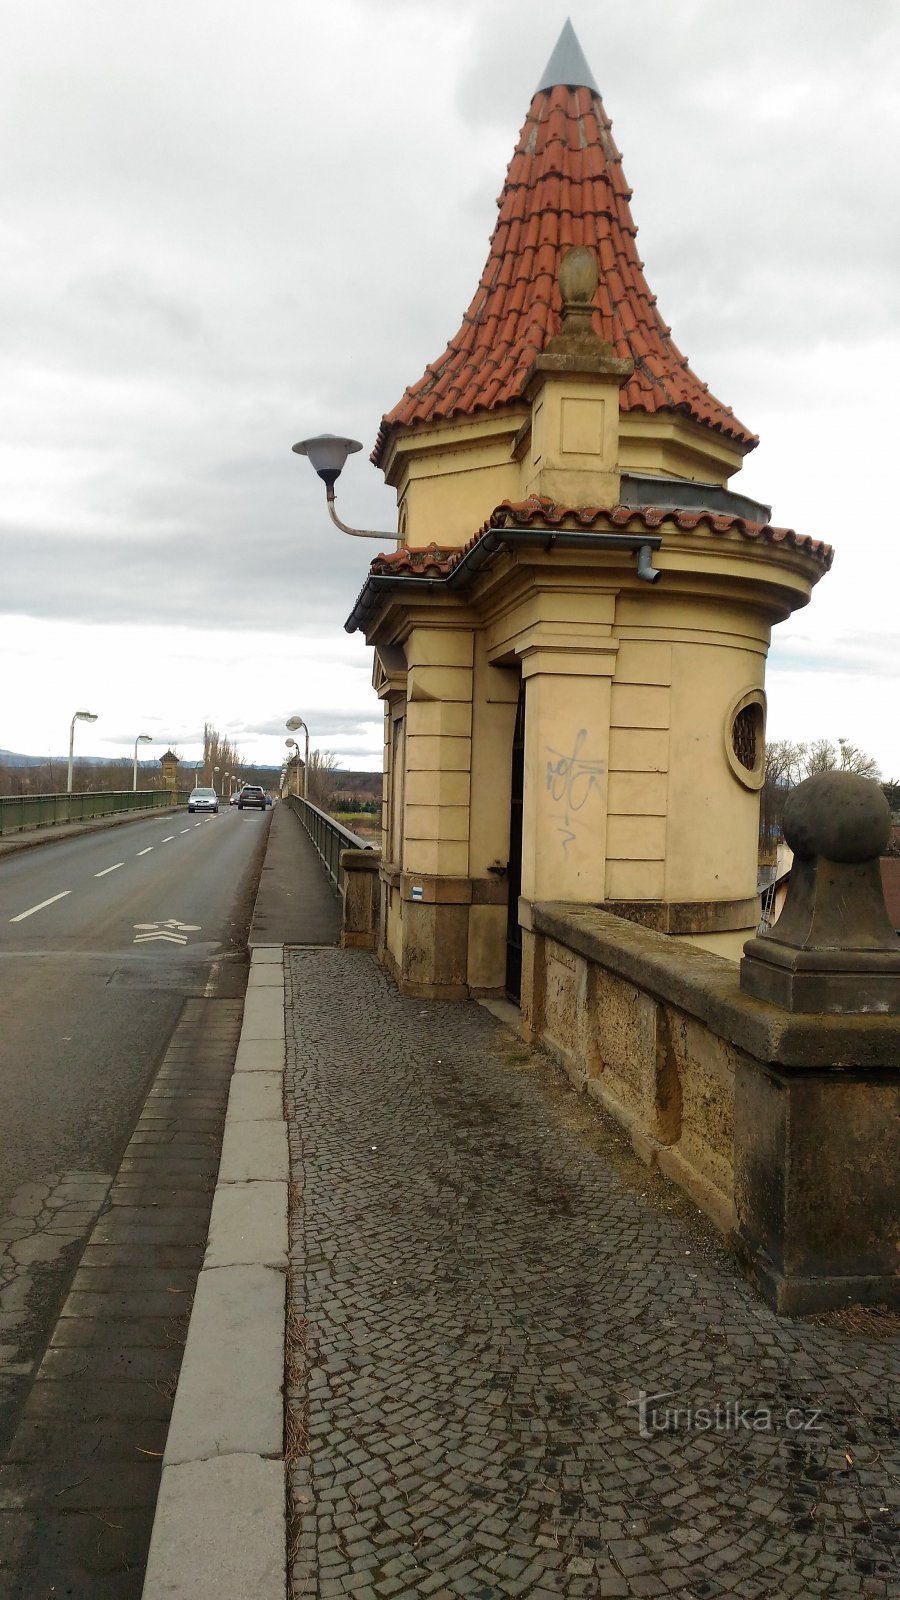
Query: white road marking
x: 145, y: 852
x: 109, y: 869
x: 32, y: 909
x: 187, y: 830
x: 171, y: 931
x: 169, y: 840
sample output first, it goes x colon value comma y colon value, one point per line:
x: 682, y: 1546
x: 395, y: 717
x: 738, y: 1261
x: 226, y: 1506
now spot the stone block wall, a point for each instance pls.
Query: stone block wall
x: 784, y: 1128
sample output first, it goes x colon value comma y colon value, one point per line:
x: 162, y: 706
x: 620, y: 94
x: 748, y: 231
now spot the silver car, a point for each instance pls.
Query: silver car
x: 203, y: 800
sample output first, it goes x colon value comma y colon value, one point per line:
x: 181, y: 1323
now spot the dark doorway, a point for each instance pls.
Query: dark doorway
x: 514, y: 865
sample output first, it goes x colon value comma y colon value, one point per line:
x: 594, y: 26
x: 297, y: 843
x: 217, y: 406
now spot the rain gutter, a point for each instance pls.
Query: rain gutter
x: 506, y: 539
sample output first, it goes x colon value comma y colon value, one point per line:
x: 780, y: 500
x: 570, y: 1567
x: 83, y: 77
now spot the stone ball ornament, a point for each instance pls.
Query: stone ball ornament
x: 839, y: 816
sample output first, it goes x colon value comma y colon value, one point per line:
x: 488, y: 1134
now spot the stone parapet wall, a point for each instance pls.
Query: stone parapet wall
x: 782, y: 1127
x: 661, y: 1072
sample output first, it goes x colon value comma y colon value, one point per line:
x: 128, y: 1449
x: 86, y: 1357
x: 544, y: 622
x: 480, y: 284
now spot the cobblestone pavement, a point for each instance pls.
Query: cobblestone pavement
x: 484, y: 1279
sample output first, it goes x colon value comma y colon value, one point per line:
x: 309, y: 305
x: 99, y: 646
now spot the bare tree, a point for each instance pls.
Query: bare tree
x: 320, y: 777
x: 788, y: 763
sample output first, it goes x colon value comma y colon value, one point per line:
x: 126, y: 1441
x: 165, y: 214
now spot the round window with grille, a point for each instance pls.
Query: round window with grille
x: 745, y: 738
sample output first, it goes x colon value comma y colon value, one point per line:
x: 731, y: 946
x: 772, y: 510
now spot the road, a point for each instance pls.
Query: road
x: 103, y: 936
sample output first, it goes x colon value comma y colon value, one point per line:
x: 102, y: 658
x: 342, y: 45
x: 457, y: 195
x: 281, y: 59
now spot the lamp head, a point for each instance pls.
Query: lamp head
x: 85, y: 716
x: 144, y: 738
x: 327, y: 452
x: 294, y: 723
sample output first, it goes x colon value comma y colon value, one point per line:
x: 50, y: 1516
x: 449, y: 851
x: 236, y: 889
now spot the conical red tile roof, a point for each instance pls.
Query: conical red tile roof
x: 565, y: 186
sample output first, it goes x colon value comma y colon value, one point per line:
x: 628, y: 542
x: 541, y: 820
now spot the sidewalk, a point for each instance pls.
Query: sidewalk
x: 482, y: 1280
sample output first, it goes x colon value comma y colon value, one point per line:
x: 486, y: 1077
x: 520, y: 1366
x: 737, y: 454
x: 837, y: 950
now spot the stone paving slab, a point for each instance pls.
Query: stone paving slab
x: 254, y: 1150
x: 260, y: 1055
x: 229, y: 1395
x: 256, y: 1096
x: 220, y: 1521
x: 484, y: 1283
x: 264, y: 1014
x: 221, y: 1524
x: 248, y: 1224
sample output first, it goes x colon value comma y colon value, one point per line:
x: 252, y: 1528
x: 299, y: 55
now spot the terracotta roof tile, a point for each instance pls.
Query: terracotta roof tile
x: 435, y: 560
x: 565, y: 185
x: 546, y: 513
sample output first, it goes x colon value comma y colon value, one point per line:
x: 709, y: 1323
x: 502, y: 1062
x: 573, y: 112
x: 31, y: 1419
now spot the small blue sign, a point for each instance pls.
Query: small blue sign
x: 418, y: 893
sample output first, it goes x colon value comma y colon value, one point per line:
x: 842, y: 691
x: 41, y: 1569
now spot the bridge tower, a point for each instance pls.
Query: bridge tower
x: 570, y: 637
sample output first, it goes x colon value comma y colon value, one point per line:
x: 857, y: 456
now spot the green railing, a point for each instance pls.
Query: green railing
x: 18, y: 812
x: 328, y: 836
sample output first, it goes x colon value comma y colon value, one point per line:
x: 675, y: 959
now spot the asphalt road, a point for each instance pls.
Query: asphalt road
x: 103, y: 937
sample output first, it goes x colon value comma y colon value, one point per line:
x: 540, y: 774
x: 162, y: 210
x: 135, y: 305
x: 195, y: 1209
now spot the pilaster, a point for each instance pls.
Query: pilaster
x: 568, y: 694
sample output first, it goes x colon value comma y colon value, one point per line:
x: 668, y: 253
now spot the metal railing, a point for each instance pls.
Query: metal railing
x: 19, y: 812
x: 328, y: 837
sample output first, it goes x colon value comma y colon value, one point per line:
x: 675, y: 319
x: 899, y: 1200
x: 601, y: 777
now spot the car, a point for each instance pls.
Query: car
x: 203, y: 800
x: 252, y: 795
x: 234, y: 799
x: 268, y: 798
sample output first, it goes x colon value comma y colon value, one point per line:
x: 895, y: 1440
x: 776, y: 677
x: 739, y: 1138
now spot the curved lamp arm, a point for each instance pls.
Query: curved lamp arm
x: 358, y: 533
x: 327, y: 453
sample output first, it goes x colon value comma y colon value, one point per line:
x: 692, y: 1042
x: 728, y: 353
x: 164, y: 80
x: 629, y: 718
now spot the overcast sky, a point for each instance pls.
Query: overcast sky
x: 226, y: 226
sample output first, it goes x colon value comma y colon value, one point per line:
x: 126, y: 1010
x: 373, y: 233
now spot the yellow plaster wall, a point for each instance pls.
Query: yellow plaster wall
x: 565, y: 798
x: 574, y: 451
x: 438, y: 745
x: 449, y: 479
x: 707, y: 805
x: 638, y: 771
x: 672, y: 446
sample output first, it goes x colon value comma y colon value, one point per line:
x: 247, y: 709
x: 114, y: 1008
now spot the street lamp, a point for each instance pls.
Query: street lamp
x: 327, y: 453
x: 292, y: 724
x: 292, y: 744
x: 80, y: 716
x: 142, y: 738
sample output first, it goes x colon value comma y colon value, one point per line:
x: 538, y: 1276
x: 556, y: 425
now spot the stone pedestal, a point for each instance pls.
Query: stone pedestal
x: 359, y: 925
x: 816, y: 1193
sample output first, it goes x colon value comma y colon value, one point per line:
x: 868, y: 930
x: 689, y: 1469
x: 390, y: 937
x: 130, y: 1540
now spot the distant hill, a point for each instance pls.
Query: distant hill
x: 10, y: 758
x: 345, y: 781
x: 355, y: 785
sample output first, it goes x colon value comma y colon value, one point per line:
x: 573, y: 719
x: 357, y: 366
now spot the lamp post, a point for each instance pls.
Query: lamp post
x: 292, y: 724
x: 80, y: 716
x: 327, y: 453
x: 291, y: 744
x: 142, y: 738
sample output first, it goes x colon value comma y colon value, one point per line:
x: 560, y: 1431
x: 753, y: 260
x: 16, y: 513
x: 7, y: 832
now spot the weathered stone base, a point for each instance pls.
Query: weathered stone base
x: 796, y: 1297
x: 442, y: 937
x: 816, y: 1192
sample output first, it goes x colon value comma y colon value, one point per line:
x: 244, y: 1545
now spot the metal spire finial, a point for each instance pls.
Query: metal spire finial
x: 567, y: 65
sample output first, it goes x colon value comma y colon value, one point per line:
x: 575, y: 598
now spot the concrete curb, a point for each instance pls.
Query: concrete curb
x: 220, y: 1532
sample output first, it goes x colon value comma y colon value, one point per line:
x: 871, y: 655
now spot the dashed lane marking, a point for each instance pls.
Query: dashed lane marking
x: 145, y: 852
x: 169, y: 840
x: 109, y: 869
x: 32, y: 909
